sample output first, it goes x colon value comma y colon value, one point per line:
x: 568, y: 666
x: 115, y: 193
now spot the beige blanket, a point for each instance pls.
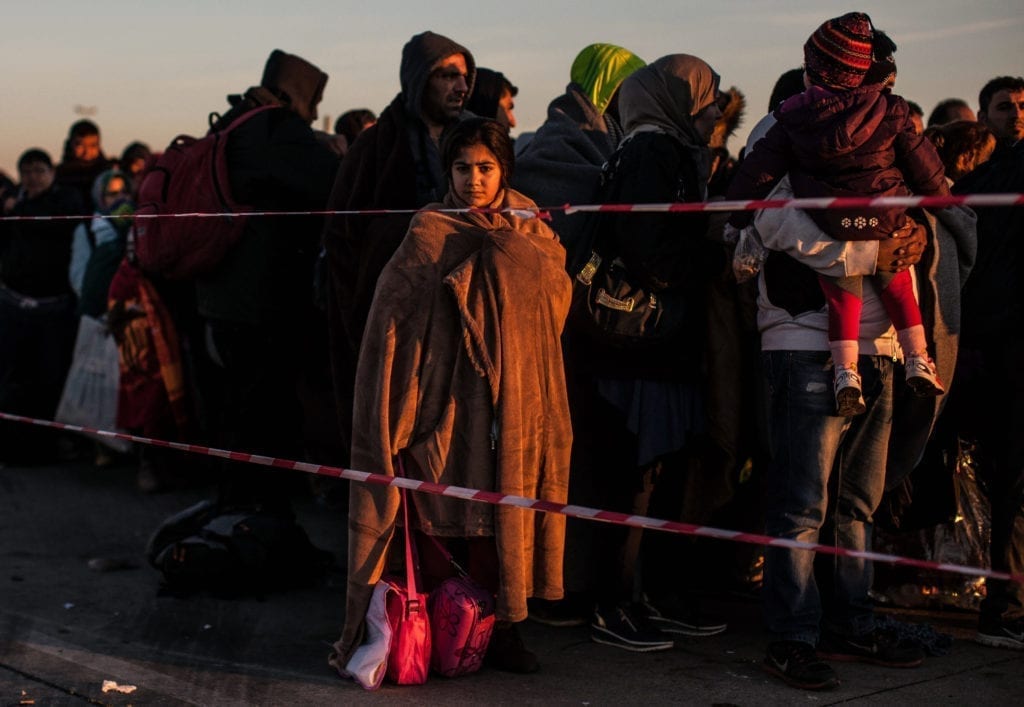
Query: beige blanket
x: 462, y: 344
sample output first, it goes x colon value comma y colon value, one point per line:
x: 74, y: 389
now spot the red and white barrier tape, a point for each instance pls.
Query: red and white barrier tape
x: 937, y: 202
x: 535, y: 504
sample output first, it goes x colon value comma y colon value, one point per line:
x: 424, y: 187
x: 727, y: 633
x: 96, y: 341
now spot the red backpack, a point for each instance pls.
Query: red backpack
x: 190, y: 177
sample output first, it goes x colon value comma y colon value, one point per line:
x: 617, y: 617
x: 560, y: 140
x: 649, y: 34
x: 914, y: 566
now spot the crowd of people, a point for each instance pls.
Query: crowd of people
x: 429, y: 327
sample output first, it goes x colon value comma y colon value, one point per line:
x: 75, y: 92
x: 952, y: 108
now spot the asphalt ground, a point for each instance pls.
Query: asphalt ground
x: 80, y: 607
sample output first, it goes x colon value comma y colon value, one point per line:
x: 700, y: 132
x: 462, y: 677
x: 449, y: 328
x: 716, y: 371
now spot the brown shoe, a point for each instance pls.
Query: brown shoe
x: 507, y: 652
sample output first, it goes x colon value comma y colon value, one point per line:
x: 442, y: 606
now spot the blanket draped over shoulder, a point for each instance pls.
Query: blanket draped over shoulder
x: 562, y: 163
x: 461, y: 371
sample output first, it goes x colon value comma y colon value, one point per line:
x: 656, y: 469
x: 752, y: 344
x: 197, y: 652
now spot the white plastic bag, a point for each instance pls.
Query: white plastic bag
x: 749, y: 256
x: 91, y: 389
x: 369, y: 661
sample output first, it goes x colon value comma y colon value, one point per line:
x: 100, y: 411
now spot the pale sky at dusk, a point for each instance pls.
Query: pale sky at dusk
x: 148, y: 71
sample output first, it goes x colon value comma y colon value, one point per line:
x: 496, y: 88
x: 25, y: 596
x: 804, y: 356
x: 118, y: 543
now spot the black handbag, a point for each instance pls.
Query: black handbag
x: 610, y: 305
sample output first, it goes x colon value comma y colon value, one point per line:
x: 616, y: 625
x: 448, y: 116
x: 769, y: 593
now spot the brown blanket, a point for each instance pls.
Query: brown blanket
x: 462, y: 343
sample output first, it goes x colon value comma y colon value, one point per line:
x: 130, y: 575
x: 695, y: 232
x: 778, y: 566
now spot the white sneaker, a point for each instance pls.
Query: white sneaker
x: 849, y: 399
x: 922, y: 377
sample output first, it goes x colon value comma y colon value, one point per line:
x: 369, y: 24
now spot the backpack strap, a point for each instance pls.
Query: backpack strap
x: 256, y: 98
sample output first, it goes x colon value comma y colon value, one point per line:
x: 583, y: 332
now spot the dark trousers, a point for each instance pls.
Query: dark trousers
x: 620, y: 561
x: 37, y: 337
x: 261, y: 412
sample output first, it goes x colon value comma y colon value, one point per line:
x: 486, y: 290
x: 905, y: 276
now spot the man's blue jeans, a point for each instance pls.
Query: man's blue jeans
x: 824, y: 481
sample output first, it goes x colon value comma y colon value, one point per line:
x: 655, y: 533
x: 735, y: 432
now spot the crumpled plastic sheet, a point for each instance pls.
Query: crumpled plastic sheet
x: 963, y: 541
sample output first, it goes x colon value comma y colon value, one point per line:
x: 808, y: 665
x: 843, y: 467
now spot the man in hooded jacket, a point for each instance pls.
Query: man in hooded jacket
x: 395, y: 164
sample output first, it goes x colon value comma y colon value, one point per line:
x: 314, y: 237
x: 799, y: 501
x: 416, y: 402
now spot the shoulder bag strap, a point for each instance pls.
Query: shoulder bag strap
x: 411, y: 557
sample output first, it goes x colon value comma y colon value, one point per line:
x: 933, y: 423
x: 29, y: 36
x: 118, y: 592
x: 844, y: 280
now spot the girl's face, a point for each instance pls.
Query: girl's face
x: 476, y: 176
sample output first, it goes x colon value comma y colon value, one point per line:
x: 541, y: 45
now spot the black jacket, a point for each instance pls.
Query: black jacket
x: 993, y: 297
x: 275, y: 163
x: 34, y: 255
x: 670, y: 254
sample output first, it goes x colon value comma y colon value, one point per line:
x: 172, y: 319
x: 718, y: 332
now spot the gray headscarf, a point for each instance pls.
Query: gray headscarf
x: 666, y: 94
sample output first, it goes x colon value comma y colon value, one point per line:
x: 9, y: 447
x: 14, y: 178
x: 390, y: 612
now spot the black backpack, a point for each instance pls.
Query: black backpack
x: 234, y: 552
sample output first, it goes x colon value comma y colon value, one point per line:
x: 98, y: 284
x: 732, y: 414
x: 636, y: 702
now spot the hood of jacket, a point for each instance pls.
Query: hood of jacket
x: 732, y: 118
x: 298, y: 84
x: 420, y: 56
x: 489, y: 89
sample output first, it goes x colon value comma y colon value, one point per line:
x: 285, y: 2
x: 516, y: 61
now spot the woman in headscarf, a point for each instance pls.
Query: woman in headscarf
x: 460, y: 376
x: 561, y: 163
x: 640, y: 418
x: 98, y: 245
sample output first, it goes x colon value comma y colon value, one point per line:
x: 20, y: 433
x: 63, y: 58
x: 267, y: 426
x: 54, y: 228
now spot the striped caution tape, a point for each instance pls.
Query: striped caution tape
x: 903, y: 202
x: 534, y: 504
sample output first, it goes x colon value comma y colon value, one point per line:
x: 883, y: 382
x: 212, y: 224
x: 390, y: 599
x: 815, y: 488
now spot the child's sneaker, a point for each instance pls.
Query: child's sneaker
x: 922, y: 377
x: 849, y: 400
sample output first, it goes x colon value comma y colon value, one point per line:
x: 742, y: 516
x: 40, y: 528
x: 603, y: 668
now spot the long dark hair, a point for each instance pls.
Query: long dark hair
x: 479, y: 131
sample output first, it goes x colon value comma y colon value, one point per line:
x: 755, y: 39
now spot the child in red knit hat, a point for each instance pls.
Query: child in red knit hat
x: 848, y: 135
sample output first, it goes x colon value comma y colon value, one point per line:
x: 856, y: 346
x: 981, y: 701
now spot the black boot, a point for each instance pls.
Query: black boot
x: 507, y: 652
